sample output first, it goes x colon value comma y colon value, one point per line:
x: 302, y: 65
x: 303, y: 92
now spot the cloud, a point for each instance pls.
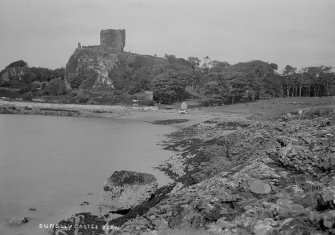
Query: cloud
x: 279, y: 31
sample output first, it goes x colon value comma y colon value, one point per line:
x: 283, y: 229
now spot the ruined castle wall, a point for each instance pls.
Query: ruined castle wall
x: 113, y: 38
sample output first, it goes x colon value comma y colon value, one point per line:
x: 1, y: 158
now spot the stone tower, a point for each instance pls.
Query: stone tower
x: 113, y: 38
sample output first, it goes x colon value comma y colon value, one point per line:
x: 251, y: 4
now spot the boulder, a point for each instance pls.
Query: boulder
x: 288, y: 209
x: 295, y: 226
x: 264, y: 227
x: 327, y: 219
x: 260, y: 187
x: 326, y: 199
x: 126, y: 189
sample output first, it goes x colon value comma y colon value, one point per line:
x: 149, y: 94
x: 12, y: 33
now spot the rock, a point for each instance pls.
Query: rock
x: 81, y: 223
x: 260, y: 187
x: 294, y: 226
x: 263, y: 227
x: 328, y: 219
x: 15, y: 72
x: 288, y: 210
x: 18, y: 221
x: 259, y: 180
x: 176, y: 188
x: 126, y: 189
x: 326, y: 199
x: 219, y: 226
x: 84, y: 203
x: 259, y: 170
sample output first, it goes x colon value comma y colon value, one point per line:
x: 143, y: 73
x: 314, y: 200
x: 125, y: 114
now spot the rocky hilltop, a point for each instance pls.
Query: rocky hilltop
x: 12, y: 72
x: 101, y: 66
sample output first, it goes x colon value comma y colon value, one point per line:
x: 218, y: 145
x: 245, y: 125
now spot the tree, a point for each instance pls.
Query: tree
x: 322, y: 79
x: 171, y: 58
x: 218, y: 66
x: 289, y: 79
x: 228, y: 84
x: 257, y: 73
x: 194, y: 61
x: 56, y: 87
x: 326, y: 80
x: 41, y: 74
x: 75, y: 82
x: 35, y: 86
x: 168, y: 87
x: 205, y: 64
x: 272, y: 85
x: 58, y: 73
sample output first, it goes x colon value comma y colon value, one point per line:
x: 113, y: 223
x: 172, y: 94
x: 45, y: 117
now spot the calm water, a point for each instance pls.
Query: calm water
x: 55, y: 163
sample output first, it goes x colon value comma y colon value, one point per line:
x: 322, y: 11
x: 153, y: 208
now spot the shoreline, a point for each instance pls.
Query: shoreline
x: 235, y: 175
x: 140, y: 114
x: 149, y: 114
x: 151, y: 164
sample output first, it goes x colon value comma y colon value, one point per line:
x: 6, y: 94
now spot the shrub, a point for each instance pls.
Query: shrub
x: 35, y: 86
x: 27, y: 96
x: 74, y: 93
x: 212, y: 102
x: 56, y: 87
x: 147, y: 103
x: 319, y: 112
x: 75, y: 82
x: 83, y: 98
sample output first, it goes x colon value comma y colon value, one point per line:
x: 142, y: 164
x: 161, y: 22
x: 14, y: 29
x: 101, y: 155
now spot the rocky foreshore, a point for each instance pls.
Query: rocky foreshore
x: 237, y: 176
x: 267, y: 178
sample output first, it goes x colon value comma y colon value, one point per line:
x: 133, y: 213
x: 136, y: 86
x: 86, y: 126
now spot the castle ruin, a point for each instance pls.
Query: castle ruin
x: 114, y: 38
x: 110, y: 39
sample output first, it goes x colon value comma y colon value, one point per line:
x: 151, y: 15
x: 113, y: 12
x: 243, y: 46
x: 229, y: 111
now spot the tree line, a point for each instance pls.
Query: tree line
x: 222, y: 82
x: 255, y: 79
x: 33, y: 80
x: 219, y: 81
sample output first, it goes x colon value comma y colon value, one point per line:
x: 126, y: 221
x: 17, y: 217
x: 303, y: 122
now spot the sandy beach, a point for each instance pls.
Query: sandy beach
x: 146, y: 114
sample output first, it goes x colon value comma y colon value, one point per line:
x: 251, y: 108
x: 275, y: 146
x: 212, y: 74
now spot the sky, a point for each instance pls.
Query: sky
x: 45, y: 33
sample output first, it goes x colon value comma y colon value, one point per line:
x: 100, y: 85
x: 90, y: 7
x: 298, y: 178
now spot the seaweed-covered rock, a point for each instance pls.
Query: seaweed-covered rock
x: 269, y: 178
x: 126, y: 189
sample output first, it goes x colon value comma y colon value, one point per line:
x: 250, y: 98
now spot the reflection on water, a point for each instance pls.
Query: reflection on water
x: 52, y: 164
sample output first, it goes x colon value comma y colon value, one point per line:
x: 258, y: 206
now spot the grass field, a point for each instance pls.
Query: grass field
x: 273, y: 108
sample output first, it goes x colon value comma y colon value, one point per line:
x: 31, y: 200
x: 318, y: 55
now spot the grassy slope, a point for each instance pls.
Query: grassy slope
x: 272, y: 108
